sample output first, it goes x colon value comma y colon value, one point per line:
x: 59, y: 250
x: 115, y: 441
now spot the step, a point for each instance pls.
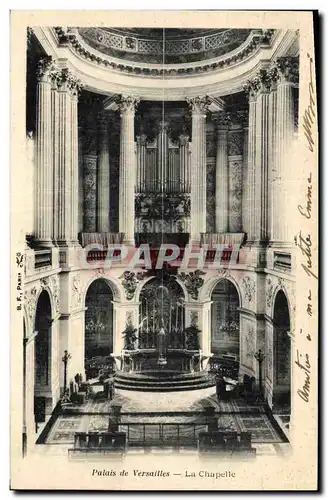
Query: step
x: 203, y: 385
x: 162, y: 382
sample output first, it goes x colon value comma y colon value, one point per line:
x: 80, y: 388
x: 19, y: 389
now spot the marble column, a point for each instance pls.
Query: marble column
x: 141, y: 163
x: 127, y: 107
x: 262, y: 81
x: 273, y: 191
x: 222, y: 175
x: 67, y: 186
x: 199, y: 106
x: 55, y: 156
x: 103, y: 177
x: 287, y: 68
x: 74, y: 209
x: 184, y: 154
x: 44, y: 155
x: 251, y: 92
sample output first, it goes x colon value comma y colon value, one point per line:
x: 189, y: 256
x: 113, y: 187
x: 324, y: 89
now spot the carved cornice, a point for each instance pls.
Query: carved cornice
x: 256, y: 39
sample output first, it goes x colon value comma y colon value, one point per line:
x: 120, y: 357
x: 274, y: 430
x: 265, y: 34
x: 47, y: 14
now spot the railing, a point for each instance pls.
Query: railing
x: 43, y: 258
x: 162, y: 434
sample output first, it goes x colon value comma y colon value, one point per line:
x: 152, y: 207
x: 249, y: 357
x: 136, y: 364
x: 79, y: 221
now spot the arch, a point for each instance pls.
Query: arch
x: 113, y: 283
x: 208, y: 287
x: 42, y: 325
x: 281, y: 351
x: 225, y: 322
x: 162, y: 304
x: 48, y: 290
x: 98, y: 329
x: 144, y: 282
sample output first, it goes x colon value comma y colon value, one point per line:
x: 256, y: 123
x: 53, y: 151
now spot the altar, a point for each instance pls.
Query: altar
x: 171, y: 360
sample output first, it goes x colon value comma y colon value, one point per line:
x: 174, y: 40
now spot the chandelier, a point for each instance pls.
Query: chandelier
x: 231, y: 326
x: 95, y: 325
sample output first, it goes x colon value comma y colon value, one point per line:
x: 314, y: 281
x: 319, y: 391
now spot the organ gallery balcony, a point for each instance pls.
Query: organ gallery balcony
x: 223, y: 248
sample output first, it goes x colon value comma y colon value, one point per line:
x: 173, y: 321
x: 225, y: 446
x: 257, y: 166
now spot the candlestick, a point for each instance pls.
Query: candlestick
x: 153, y: 316
x: 147, y: 315
x: 170, y: 317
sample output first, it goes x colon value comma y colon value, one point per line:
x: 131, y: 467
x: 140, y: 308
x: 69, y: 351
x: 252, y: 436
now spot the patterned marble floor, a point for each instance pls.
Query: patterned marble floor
x: 234, y: 415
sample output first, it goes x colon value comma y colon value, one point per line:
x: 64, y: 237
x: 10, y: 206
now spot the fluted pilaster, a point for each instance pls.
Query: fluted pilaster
x: 127, y: 168
x: 44, y: 153
x: 199, y: 106
x: 222, y: 175
x: 103, y: 177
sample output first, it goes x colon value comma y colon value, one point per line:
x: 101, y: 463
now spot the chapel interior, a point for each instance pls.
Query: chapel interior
x: 146, y: 137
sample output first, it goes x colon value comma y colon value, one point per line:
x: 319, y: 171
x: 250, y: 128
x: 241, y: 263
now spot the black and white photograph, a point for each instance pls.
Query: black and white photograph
x: 159, y: 263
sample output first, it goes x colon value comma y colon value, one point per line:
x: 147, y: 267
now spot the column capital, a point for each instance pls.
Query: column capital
x: 127, y: 104
x: 45, y: 69
x: 251, y: 88
x: 142, y: 139
x: 242, y: 118
x: 222, y: 120
x: 163, y: 124
x: 288, y: 69
x: 273, y: 75
x: 183, y: 139
x: 262, y: 81
x: 67, y: 82
x: 199, y: 105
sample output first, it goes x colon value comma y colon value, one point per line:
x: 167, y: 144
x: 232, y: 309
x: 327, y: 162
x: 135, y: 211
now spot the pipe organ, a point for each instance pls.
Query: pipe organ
x: 163, y: 165
x: 162, y: 187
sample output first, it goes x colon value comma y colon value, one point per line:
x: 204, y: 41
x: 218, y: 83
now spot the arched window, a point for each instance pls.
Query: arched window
x: 98, y: 320
x: 43, y: 341
x: 281, y: 352
x: 225, y: 320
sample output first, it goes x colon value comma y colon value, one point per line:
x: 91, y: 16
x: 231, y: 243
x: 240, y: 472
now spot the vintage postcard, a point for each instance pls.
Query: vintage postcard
x: 164, y: 250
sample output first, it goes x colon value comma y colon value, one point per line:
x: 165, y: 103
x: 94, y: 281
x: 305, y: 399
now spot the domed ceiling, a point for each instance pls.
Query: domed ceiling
x: 159, y: 45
